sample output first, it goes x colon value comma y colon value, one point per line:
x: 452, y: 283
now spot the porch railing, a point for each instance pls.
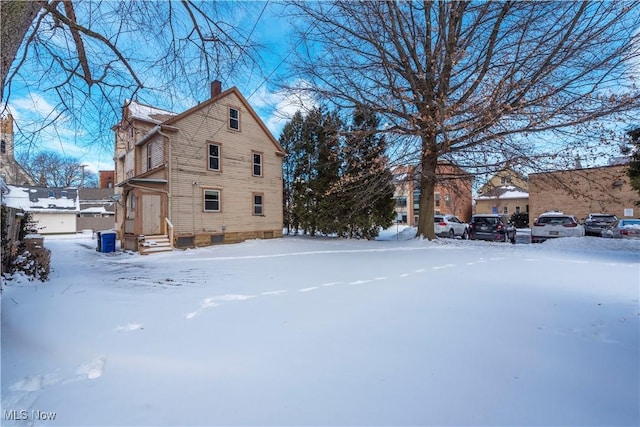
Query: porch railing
x: 167, y: 228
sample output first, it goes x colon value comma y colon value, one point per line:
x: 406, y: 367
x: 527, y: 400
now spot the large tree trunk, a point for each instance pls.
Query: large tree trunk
x: 427, y: 196
x: 16, y: 17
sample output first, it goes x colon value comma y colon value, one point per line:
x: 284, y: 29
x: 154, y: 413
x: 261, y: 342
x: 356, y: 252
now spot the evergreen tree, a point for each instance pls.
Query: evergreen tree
x: 336, y: 186
x: 291, y: 141
x: 327, y: 172
x: 366, y: 183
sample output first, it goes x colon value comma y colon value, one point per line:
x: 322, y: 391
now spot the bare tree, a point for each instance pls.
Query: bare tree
x: 476, y: 83
x: 91, y: 55
x: 50, y: 169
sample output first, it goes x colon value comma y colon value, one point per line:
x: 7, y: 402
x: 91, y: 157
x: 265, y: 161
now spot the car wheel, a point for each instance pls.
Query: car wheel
x: 452, y: 233
x: 465, y: 235
x: 513, y: 239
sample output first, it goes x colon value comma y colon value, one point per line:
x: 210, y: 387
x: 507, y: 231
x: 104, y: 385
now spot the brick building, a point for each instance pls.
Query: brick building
x: 452, y: 193
x: 579, y: 192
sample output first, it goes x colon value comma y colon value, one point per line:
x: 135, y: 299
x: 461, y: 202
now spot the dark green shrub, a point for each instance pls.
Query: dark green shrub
x: 520, y: 219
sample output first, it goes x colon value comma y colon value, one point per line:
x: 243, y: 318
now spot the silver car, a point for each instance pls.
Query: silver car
x: 623, y: 229
x: 595, y: 223
x: 450, y: 226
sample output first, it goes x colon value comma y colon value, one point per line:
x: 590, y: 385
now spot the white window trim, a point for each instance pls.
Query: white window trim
x: 204, y: 200
x: 237, y: 119
x: 209, y: 156
x: 254, y: 164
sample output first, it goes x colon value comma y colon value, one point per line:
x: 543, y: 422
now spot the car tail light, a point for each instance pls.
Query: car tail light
x: 624, y: 232
x: 442, y: 224
x: 571, y: 224
x: 499, y: 227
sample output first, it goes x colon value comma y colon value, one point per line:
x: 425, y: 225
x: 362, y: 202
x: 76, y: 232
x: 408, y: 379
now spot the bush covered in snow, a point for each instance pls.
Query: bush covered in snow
x: 28, y: 256
x: 33, y: 261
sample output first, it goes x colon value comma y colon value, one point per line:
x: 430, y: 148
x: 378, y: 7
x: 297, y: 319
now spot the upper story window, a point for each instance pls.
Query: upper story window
x: 214, y: 157
x: 154, y: 154
x: 51, y: 194
x: 150, y: 156
x: 64, y: 194
x: 3, y: 147
x: 234, y: 118
x: 257, y: 164
x: 437, y: 195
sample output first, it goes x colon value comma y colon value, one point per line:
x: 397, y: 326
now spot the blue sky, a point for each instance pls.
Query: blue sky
x: 267, y: 23
x: 31, y: 105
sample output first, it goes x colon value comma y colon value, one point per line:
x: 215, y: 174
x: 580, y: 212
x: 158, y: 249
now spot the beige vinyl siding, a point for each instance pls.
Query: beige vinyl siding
x: 189, y: 173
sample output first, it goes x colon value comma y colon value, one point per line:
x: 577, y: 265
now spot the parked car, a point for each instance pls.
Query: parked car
x: 551, y: 225
x: 493, y: 227
x: 595, y: 223
x: 450, y: 226
x: 623, y: 229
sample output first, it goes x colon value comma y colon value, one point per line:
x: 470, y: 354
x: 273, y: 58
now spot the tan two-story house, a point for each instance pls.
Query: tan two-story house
x: 506, y: 192
x: 212, y: 174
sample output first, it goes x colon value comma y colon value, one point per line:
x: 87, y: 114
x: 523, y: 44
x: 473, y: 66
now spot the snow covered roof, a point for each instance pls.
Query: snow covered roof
x: 504, y: 192
x: 148, y: 113
x: 96, y: 210
x: 42, y: 199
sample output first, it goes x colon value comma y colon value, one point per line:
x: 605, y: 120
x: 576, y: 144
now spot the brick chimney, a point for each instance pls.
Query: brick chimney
x: 216, y: 88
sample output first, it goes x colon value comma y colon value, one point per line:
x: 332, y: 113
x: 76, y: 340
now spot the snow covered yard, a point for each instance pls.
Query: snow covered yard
x: 301, y: 331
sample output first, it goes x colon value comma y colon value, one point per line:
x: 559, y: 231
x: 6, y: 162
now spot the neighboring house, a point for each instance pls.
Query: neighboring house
x: 212, y: 174
x: 10, y: 170
x: 53, y: 210
x: 505, y: 193
x: 106, y: 179
x: 579, y: 192
x: 96, y: 209
x: 452, y: 192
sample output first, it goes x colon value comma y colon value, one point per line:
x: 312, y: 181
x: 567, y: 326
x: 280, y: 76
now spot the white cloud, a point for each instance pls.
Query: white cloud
x: 277, y: 108
x: 40, y: 126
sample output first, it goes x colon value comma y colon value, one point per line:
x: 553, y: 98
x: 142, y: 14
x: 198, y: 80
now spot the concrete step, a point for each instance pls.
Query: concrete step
x: 155, y: 249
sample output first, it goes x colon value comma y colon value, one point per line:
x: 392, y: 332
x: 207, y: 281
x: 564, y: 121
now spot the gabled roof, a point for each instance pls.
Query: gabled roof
x: 218, y: 98
x: 147, y: 113
x: 164, y: 119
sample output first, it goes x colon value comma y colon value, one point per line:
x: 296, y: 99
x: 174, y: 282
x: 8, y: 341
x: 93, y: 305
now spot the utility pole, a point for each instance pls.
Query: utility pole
x: 82, y: 178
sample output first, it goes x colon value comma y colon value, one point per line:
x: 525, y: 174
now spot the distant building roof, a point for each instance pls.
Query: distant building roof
x: 504, y: 192
x: 42, y: 199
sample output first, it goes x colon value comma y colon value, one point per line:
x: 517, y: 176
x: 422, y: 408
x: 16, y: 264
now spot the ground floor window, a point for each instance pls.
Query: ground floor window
x: 212, y: 200
x: 258, y: 203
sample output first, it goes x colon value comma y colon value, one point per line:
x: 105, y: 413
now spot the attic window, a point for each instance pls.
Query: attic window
x: 234, y: 119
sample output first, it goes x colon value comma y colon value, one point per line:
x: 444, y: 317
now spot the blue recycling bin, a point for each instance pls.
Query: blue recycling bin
x: 107, y: 241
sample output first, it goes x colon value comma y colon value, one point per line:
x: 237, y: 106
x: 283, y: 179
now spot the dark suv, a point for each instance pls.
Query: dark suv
x: 596, y: 222
x: 494, y: 227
